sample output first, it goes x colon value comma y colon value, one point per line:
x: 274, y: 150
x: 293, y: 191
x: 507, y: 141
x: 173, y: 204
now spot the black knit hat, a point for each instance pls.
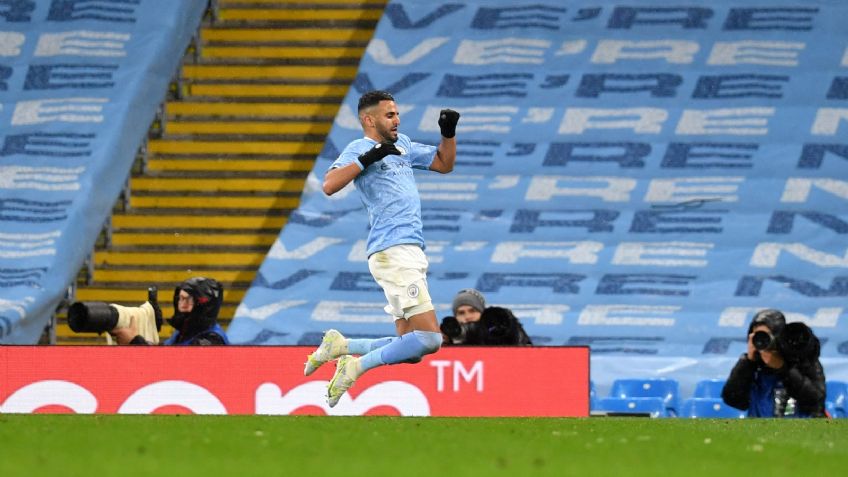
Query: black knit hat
x: 773, y: 319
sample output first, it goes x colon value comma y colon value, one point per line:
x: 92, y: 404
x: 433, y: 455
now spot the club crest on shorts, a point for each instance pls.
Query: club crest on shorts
x: 412, y: 291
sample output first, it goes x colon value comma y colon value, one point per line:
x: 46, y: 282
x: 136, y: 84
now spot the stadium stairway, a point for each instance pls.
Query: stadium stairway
x: 227, y: 159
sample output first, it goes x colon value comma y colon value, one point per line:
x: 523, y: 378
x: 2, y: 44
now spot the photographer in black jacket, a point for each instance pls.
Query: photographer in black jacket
x: 473, y: 323
x: 780, y: 375
x: 197, y: 302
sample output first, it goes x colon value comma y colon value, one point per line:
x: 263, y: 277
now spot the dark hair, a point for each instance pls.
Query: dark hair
x: 373, y: 98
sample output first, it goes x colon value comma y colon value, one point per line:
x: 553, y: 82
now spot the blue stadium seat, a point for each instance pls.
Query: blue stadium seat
x: 593, y: 396
x: 709, y: 407
x: 648, y: 406
x: 709, y: 388
x: 837, y: 395
x: 666, y: 389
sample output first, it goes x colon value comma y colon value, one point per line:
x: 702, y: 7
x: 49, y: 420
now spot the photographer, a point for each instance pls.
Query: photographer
x: 780, y: 375
x: 473, y: 323
x: 197, y: 302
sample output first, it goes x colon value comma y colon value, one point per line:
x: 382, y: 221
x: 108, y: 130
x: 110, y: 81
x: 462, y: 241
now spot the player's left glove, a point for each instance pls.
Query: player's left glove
x: 447, y: 122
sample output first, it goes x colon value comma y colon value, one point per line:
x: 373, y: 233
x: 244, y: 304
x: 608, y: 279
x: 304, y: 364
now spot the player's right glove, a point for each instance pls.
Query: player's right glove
x: 377, y: 153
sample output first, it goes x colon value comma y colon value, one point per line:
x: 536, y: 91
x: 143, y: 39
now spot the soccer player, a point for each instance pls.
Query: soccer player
x: 380, y: 164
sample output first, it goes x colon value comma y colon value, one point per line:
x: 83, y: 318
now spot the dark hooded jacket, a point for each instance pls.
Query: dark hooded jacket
x: 766, y: 392
x: 200, y: 326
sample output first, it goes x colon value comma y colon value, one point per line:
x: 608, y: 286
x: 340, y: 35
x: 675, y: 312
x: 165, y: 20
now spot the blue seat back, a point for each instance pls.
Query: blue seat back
x: 710, y: 408
x: 665, y: 389
x: 837, y: 395
x: 650, y: 406
x: 709, y: 388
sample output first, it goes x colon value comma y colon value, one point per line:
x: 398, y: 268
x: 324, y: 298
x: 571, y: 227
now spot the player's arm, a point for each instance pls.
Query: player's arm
x: 338, y: 177
x: 446, y: 152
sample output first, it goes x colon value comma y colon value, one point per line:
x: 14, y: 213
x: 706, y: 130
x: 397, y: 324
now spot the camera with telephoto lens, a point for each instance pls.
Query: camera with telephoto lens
x: 497, y: 326
x: 796, y: 343
x: 101, y: 317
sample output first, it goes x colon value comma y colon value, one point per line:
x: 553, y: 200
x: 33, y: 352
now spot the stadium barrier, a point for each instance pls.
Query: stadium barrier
x: 460, y: 381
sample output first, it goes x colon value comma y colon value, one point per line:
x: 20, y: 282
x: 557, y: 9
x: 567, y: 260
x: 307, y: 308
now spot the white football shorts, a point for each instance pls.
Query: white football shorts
x: 401, y: 271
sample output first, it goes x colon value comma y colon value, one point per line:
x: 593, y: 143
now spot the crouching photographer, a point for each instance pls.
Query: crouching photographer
x: 197, y: 302
x: 780, y: 374
x: 473, y: 323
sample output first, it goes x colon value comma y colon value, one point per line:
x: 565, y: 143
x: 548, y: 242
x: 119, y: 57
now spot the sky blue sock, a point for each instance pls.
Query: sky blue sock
x: 365, y: 345
x: 411, y: 346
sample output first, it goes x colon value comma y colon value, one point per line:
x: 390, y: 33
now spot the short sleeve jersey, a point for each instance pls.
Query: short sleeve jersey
x: 388, y: 191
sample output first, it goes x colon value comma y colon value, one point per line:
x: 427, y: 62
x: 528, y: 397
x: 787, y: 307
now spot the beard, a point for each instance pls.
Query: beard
x: 388, y: 135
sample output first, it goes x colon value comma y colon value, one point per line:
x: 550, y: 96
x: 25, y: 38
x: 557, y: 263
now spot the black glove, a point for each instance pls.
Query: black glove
x: 447, y: 121
x: 377, y: 153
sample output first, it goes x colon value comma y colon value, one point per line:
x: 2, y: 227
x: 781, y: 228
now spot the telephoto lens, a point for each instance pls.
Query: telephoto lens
x: 763, y: 340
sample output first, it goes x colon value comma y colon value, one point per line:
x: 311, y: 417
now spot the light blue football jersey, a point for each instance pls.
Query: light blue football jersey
x: 388, y: 190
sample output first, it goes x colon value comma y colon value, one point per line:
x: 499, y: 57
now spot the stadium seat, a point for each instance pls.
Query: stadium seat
x: 635, y: 406
x: 709, y: 388
x: 666, y: 389
x: 837, y: 395
x: 593, y: 396
x: 709, y: 407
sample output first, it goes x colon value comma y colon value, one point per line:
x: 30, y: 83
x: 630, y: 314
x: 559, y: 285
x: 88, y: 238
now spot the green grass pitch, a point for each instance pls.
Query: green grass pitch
x: 188, y: 445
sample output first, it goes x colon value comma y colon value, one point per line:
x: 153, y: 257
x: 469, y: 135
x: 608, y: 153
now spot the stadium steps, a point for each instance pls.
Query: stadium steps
x: 228, y: 158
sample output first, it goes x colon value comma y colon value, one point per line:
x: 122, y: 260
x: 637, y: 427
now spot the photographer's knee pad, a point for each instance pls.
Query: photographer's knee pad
x: 430, y: 341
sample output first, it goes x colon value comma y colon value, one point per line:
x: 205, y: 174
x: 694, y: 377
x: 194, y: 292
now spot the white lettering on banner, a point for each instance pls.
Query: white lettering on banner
x: 68, y: 110
x: 40, y: 178
x: 738, y: 316
x: 549, y: 315
x: 263, y: 312
x: 572, y: 47
x: 683, y: 189
x: 280, y: 252
x: 453, y: 188
x: 767, y: 254
x: 459, y: 374
x: 798, y: 189
x: 733, y: 121
x: 172, y: 393
x: 358, y: 252
x: 403, y: 396
x: 538, y: 115
x: 828, y: 120
x: 82, y: 43
x: 748, y: 52
x: 627, y: 315
x: 673, y: 51
x: 380, y: 52
x: 614, y: 189
x: 349, y: 311
x: 640, y: 120
x: 39, y: 394
x: 436, y: 248
x: 582, y: 252
x: 504, y: 182
x: 495, y: 119
x: 504, y: 50
x: 11, y: 42
x: 17, y: 306
x: 662, y: 254
x: 28, y: 245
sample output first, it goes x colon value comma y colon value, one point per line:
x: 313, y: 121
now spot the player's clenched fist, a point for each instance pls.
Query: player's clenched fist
x: 377, y: 153
x: 447, y: 122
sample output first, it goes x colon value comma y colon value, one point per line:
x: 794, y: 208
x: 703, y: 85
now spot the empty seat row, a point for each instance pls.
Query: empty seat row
x: 661, y: 398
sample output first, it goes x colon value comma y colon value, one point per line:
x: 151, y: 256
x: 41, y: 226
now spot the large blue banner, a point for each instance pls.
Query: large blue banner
x: 636, y: 177
x: 80, y: 82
